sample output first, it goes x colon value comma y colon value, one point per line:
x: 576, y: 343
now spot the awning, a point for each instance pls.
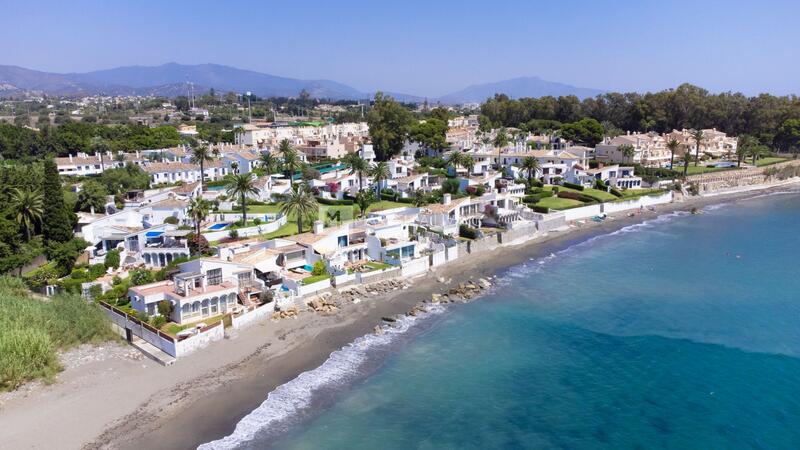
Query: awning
x: 152, y: 234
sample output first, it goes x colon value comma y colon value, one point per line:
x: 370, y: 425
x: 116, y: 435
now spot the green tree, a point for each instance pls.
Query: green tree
x: 788, y: 136
x: 56, y: 220
x: 468, y: 162
x: 198, y: 211
x: 268, y: 162
x: 500, y: 142
x: 744, y: 147
x: 364, y: 198
x: 92, y: 196
x: 586, y: 131
x: 301, y: 203
x: 358, y: 165
x: 379, y: 173
x: 200, y: 155
x: 530, y: 165
x: 454, y: 159
x: 112, y: 259
x: 27, y: 208
x: 389, y: 125
x: 430, y: 133
x: 290, y: 159
x: 698, y: 137
x: 242, y: 186
x: 627, y: 152
x: 673, y: 145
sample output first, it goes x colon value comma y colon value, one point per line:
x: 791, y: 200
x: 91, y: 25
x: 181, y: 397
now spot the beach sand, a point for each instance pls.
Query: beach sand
x: 128, y: 402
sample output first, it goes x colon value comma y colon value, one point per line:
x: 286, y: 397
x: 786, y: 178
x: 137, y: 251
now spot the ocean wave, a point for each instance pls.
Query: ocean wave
x: 291, y: 398
x: 538, y: 265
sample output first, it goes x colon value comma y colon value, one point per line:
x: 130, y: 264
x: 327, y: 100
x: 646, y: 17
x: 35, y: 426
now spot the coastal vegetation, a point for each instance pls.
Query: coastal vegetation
x: 33, y: 330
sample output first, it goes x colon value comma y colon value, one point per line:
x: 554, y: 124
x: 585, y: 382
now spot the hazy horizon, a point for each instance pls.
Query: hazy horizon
x: 426, y: 49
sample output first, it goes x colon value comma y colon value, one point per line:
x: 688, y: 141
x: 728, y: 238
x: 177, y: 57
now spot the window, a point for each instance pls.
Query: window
x: 214, y: 276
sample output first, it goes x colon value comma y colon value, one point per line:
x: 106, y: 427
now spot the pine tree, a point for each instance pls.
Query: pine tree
x: 56, y: 220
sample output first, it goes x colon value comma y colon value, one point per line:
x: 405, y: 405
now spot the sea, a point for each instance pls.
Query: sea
x: 682, y: 332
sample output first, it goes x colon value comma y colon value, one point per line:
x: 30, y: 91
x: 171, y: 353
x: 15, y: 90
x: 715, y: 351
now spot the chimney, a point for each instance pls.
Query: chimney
x: 70, y: 157
x: 318, y: 227
x: 446, y: 199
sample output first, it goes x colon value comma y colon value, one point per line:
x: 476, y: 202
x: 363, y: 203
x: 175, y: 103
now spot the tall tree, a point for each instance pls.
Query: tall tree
x: 468, y: 162
x: 627, y: 152
x: 92, y: 196
x: 389, y: 124
x: 530, y: 165
x: 358, y: 165
x: 673, y: 145
x: 56, y: 220
x: 27, y: 207
x: 242, y: 186
x: 698, y: 137
x: 500, y: 142
x: 454, y: 159
x: 290, y: 160
x: 268, y: 162
x: 300, y: 202
x: 200, y: 155
x: 379, y: 173
x: 198, y: 211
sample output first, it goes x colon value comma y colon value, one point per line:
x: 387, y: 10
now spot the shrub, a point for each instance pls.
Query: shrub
x: 141, y: 276
x: 319, y: 268
x: 158, y: 321
x: 451, y: 186
x: 598, y: 184
x: 112, y: 259
x: 536, y: 183
x: 540, y: 209
x: 198, y: 244
x: 577, y: 187
x: 171, y: 220
x: 96, y: 271
x: 256, y: 221
x: 615, y: 192
x: 466, y: 231
x: 233, y: 234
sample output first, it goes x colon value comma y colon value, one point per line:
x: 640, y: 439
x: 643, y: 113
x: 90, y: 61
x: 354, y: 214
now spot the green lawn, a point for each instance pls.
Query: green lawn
x: 314, y: 279
x: 559, y: 203
x: 602, y: 195
x: 628, y: 194
x: 173, y: 328
x: 377, y: 265
x: 696, y: 170
x: 769, y: 160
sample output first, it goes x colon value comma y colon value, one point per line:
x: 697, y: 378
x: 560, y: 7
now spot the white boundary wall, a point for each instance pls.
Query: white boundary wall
x: 249, y: 318
x: 414, y: 267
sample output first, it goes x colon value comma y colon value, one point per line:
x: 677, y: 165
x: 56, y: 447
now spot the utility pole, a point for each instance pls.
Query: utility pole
x: 249, y: 109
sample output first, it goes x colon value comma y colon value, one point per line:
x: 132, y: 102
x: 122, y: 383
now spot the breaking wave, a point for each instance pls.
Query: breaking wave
x: 293, y: 397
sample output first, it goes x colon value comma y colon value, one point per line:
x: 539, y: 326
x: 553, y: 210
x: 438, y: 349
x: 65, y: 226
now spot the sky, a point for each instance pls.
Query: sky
x: 428, y: 48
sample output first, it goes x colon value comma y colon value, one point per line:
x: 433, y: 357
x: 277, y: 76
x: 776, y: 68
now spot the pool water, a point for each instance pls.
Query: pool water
x: 218, y: 226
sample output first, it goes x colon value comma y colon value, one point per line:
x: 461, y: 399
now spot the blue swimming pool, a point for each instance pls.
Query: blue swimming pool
x: 308, y: 267
x: 218, y: 226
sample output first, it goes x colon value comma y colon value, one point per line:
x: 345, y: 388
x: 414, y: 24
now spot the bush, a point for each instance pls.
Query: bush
x: 540, y: 209
x: 165, y: 308
x: 576, y: 196
x: 158, y: 321
x: 536, y: 183
x: 598, y: 184
x: 466, y: 231
x: 233, y: 234
x: 96, y: 271
x: 112, y: 259
x: 198, y: 245
x: 615, y: 192
x: 141, y: 276
x: 577, y: 187
x: 332, y: 202
x: 319, y: 268
x: 451, y: 186
x: 171, y: 220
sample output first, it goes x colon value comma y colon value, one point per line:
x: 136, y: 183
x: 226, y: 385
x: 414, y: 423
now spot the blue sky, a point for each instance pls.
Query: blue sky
x: 425, y: 47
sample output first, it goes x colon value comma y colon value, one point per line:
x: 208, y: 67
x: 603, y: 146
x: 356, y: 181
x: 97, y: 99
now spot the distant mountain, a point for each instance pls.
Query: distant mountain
x: 171, y: 80
x: 517, y: 88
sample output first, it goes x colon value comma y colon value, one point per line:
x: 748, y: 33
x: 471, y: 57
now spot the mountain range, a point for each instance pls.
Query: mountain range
x: 171, y: 80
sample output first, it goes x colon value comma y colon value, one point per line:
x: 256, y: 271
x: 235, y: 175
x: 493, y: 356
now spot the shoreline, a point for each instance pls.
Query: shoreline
x: 202, y: 397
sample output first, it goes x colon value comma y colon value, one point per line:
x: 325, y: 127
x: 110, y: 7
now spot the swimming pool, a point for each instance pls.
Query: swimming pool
x: 218, y: 226
x: 308, y: 267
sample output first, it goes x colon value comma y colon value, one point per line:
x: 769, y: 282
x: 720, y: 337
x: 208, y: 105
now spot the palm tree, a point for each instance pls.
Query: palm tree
x: 468, y: 162
x: 28, y: 206
x: 198, y: 211
x: 379, y: 173
x: 268, y: 162
x: 454, y: 159
x: 200, y: 155
x: 358, y: 165
x: 698, y: 136
x: 755, y: 152
x: 627, y: 151
x: 242, y: 186
x: 744, y: 148
x: 291, y: 163
x: 673, y: 146
x: 500, y: 141
x: 531, y: 165
x: 300, y: 202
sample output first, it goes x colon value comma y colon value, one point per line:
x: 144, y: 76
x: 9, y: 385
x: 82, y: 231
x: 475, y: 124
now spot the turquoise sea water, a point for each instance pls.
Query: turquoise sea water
x: 683, y: 332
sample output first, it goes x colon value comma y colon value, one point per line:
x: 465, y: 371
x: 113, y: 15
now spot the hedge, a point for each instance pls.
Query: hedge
x: 577, y: 187
x: 576, y: 196
x: 536, y: 183
x: 332, y: 202
x: 615, y: 192
x: 540, y: 209
x: 466, y: 231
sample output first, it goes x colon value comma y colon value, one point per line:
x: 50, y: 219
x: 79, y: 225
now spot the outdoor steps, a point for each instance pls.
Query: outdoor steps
x: 152, y: 352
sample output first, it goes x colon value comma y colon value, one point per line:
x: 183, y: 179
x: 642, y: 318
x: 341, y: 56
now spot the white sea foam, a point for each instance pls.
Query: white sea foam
x: 294, y: 396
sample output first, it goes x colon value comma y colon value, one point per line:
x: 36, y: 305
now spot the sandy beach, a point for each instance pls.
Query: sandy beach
x: 126, y: 401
